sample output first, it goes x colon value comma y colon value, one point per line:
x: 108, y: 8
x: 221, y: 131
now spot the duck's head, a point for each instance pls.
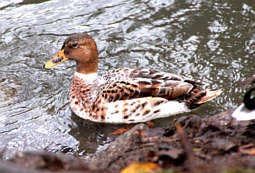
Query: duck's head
x: 249, y: 99
x: 80, y: 48
x: 246, y: 111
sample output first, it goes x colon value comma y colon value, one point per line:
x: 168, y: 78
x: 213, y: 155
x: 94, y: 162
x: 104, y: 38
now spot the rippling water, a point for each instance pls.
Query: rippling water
x: 211, y: 41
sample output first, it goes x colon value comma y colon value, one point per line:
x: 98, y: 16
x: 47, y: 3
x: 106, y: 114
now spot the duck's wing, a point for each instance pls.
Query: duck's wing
x: 123, y: 84
x: 138, y: 88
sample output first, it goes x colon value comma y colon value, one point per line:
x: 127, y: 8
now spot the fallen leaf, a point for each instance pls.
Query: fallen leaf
x: 121, y: 130
x: 142, y: 168
x: 150, y: 124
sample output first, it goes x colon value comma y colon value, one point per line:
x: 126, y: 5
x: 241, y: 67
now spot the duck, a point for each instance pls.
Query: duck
x: 125, y: 95
x: 246, y: 111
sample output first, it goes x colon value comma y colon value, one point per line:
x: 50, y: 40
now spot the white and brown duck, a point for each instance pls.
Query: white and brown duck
x: 125, y: 95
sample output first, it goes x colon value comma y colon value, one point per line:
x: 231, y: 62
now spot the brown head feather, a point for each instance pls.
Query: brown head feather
x: 82, y: 48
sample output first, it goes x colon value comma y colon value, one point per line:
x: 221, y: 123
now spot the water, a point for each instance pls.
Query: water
x: 212, y: 41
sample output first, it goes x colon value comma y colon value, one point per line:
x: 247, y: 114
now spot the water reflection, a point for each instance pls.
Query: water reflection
x: 210, y: 41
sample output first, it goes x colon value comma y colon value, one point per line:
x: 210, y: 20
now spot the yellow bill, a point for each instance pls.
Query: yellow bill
x: 60, y: 57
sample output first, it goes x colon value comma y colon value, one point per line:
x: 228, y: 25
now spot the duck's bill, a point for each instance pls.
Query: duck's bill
x: 60, y: 57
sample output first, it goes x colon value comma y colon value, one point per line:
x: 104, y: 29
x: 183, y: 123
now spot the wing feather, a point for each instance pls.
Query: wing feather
x: 137, y: 83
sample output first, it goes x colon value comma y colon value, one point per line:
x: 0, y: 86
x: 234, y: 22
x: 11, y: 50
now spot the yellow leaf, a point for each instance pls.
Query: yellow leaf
x: 142, y: 168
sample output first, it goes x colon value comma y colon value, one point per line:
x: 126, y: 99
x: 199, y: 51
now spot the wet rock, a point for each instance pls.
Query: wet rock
x: 38, y: 162
x: 127, y: 148
x: 7, y: 167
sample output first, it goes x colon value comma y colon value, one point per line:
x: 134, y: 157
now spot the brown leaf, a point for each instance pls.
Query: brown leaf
x: 248, y: 149
x: 121, y: 130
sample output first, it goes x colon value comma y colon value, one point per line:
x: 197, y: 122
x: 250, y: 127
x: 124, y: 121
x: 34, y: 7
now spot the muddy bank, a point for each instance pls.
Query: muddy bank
x: 189, y: 144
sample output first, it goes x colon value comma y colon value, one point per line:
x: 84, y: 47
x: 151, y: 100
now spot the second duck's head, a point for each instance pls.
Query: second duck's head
x: 246, y: 111
x: 249, y: 99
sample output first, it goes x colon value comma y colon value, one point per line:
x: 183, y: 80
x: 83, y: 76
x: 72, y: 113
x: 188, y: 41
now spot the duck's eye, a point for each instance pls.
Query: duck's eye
x: 75, y: 45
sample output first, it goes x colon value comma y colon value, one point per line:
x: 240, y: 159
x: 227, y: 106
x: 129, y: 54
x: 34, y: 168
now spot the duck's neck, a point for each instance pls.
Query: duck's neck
x: 87, y: 78
x: 88, y: 68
